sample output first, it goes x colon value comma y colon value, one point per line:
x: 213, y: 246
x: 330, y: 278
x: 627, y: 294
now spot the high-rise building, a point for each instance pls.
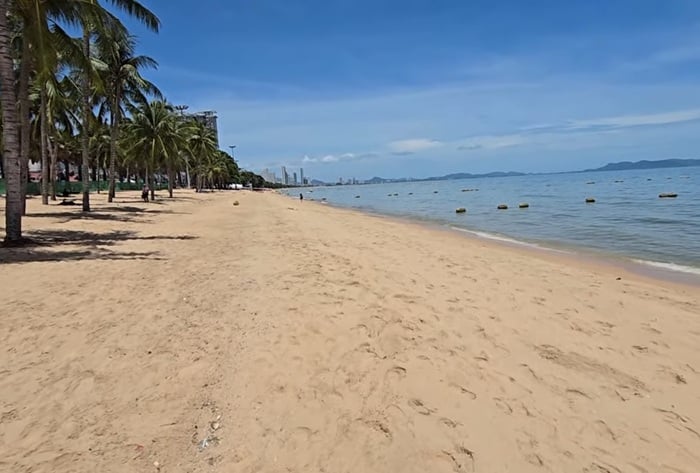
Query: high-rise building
x: 268, y: 175
x: 295, y: 179
x: 301, y: 176
x: 208, y: 118
x: 285, y: 176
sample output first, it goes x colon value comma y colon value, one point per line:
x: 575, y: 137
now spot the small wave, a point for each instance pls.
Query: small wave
x: 504, y: 239
x: 670, y: 266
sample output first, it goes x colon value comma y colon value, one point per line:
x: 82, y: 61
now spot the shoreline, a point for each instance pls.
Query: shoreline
x: 648, y: 270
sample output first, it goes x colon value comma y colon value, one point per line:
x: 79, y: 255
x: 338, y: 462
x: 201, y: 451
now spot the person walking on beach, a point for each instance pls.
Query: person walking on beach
x: 144, y: 193
x: 301, y: 196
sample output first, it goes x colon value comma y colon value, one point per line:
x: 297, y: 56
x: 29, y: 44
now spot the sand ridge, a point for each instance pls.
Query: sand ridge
x: 289, y: 336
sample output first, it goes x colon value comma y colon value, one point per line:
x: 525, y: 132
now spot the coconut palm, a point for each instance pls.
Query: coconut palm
x: 92, y: 23
x: 201, y: 151
x: 122, y: 81
x: 154, y: 137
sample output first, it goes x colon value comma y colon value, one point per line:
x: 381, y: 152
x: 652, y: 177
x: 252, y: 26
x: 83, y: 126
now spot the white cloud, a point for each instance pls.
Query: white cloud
x: 334, y: 158
x: 413, y: 145
x: 492, y: 142
x: 624, y: 121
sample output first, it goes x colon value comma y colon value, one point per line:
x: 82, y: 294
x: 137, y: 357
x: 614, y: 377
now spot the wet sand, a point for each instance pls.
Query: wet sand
x: 191, y: 335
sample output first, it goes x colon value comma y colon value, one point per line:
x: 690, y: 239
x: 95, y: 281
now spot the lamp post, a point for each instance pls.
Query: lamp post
x: 232, y: 148
x: 181, y: 109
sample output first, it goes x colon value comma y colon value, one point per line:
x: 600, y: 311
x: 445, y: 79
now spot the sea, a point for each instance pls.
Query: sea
x: 627, y: 222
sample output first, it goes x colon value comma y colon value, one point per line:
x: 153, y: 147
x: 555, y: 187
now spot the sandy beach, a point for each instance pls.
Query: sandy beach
x: 192, y: 335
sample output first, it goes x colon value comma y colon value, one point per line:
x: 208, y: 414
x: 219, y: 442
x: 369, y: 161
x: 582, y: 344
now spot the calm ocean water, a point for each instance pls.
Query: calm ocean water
x: 628, y: 219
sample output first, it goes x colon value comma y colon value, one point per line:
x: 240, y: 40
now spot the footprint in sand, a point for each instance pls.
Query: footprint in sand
x: 419, y: 407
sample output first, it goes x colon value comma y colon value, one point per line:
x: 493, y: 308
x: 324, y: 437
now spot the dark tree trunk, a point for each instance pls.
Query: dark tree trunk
x: 43, y: 134
x: 24, y: 120
x: 170, y: 182
x: 84, y: 138
x: 114, y: 131
x: 54, y: 162
x: 11, y: 132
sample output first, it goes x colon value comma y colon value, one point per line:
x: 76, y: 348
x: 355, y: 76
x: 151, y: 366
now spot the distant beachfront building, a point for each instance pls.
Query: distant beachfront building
x: 208, y: 118
x: 268, y: 175
x: 301, y: 176
x: 285, y: 176
x: 294, y: 180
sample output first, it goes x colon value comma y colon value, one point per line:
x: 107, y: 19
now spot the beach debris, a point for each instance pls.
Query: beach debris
x: 211, y: 439
x: 668, y: 195
x: 461, y: 210
x: 523, y: 205
x: 157, y: 465
x: 235, y: 203
x: 502, y: 207
x: 590, y: 200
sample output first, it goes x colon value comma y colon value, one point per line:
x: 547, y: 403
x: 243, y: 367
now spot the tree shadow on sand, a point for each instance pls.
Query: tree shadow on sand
x: 41, y: 246
x: 114, y: 214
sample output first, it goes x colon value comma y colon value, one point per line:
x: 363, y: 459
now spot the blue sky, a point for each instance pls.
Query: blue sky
x: 362, y: 88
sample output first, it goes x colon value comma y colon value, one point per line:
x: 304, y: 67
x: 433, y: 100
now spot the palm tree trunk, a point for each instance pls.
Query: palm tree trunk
x: 44, y: 152
x: 114, y: 129
x: 24, y: 120
x: 84, y: 139
x: 11, y: 132
x: 52, y: 178
x: 170, y: 182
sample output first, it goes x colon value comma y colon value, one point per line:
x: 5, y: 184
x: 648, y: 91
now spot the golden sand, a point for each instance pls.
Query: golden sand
x: 191, y: 335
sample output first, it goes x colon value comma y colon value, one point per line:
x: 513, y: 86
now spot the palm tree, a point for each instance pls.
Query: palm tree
x: 95, y: 23
x: 122, y: 80
x: 154, y: 137
x: 202, y: 150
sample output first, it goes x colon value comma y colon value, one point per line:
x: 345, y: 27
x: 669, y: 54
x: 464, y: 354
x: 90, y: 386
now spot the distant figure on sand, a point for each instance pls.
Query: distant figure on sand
x: 144, y: 193
x: 301, y: 196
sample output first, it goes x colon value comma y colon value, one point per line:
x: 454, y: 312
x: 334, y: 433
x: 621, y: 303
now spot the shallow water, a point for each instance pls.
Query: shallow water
x: 628, y: 219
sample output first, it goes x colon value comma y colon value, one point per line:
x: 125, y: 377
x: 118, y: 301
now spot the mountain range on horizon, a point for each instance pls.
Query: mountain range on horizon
x: 618, y: 166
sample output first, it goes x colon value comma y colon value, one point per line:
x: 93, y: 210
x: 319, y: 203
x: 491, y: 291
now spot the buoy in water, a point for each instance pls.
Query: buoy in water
x: 668, y: 195
x: 524, y: 205
x: 503, y: 207
x: 357, y: 196
x: 410, y: 193
x: 590, y: 182
x: 590, y: 200
x: 395, y: 195
x: 435, y: 192
x: 461, y: 210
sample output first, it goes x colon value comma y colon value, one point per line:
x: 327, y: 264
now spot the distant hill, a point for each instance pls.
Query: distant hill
x: 447, y: 177
x: 466, y: 175
x: 663, y: 163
